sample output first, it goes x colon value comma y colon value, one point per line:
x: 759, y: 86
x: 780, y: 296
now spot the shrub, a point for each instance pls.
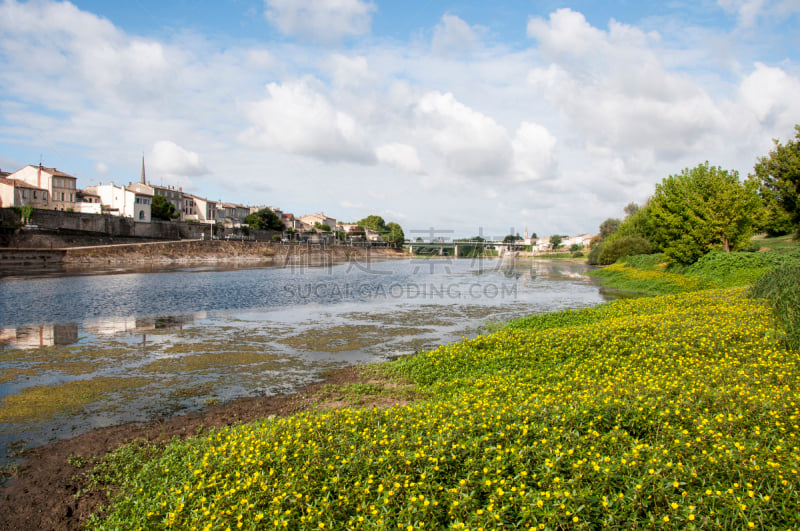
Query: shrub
x: 594, y: 255
x: 615, y: 248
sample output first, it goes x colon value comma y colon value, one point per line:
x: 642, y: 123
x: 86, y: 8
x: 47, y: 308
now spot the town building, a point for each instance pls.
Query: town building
x: 311, y: 220
x: 88, y: 203
x: 19, y: 193
x: 61, y: 187
x: 172, y: 194
x: 199, y: 209
x: 231, y: 214
x: 121, y: 201
x: 582, y: 240
x: 289, y: 221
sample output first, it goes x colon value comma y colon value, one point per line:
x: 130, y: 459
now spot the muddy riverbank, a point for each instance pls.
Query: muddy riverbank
x: 189, y: 252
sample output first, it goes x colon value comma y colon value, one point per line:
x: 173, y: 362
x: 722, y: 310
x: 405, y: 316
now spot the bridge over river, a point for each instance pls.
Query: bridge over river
x: 457, y: 249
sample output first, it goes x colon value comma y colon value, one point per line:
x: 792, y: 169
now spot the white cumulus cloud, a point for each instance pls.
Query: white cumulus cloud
x: 320, y: 20
x: 401, y: 156
x: 471, y: 143
x: 771, y: 95
x: 534, y: 153
x: 748, y: 10
x: 297, y: 119
x: 169, y: 159
x: 453, y: 36
x: 613, y: 89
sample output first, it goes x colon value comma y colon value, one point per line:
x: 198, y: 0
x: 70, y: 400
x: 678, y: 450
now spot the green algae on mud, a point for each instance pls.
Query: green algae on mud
x: 348, y: 337
x: 40, y: 402
x: 207, y: 361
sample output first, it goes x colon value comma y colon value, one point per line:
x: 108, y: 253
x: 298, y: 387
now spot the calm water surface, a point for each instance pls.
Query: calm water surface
x: 91, y: 350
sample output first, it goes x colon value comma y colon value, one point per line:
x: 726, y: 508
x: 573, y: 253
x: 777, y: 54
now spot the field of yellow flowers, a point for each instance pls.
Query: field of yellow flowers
x: 673, y: 412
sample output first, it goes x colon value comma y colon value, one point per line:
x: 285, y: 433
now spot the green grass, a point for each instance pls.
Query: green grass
x: 781, y: 287
x: 779, y: 243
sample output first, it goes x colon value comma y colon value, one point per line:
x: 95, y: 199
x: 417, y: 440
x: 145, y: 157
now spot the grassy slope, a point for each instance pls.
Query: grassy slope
x: 651, y: 274
x: 677, y: 411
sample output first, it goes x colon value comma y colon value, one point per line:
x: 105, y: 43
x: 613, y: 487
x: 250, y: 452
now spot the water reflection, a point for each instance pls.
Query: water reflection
x: 140, y: 325
x: 48, y: 335
x: 35, y: 336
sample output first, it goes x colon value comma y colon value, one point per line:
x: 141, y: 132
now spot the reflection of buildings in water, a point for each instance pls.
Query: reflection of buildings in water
x: 110, y: 326
x: 139, y: 325
x: 35, y: 336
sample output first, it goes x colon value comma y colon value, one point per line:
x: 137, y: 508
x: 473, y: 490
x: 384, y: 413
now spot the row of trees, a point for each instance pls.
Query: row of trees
x: 266, y: 219
x: 706, y: 208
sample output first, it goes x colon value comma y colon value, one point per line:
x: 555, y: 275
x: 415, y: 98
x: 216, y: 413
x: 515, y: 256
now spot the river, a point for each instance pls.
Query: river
x: 81, y: 351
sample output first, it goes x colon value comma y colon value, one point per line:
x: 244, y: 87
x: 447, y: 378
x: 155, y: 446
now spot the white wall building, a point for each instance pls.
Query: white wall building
x: 199, y: 209
x: 120, y: 201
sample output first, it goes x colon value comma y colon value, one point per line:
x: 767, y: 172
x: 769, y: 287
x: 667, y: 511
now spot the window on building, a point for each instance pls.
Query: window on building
x: 141, y: 214
x: 22, y: 193
x: 62, y: 196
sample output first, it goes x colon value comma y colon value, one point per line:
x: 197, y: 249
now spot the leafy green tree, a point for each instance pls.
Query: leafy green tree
x: 264, y: 219
x: 396, y: 235
x: 390, y: 232
x: 609, y: 227
x: 324, y: 227
x: 161, y: 208
x: 555, y: 241
x: 700, y: 209
x: 511, y: 238
x: 373, y: 222
x: 638, y: 224
x: 778, y: 180
x: 631, y: 209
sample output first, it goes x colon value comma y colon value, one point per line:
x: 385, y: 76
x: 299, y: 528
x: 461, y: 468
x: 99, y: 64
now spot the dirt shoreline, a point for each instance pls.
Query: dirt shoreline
x: 41, y: 494
x: 204, y: 251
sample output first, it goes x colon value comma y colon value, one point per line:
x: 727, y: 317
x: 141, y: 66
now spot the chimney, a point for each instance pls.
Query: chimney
x: 143, y: 182
x: 39, y: 176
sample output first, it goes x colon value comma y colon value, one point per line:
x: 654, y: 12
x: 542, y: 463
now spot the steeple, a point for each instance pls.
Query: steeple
x: 143, y: 181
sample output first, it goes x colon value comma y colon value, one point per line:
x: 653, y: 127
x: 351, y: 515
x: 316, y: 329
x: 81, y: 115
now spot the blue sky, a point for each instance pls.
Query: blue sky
x: 460, y: 115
